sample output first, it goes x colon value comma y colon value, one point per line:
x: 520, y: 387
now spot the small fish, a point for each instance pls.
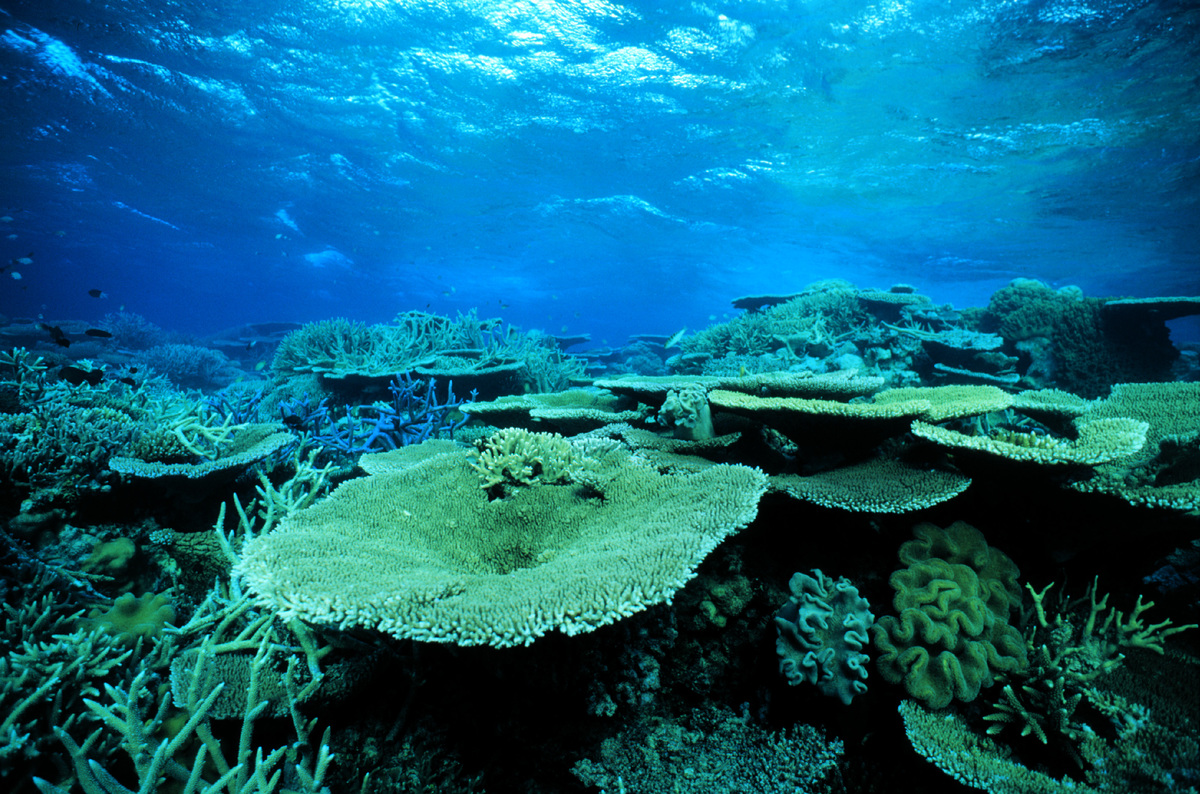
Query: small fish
x: 675, y: 337
x: 16, y: 276
x: 76, y: 376
x: 133, y: 370
x: 95, y: 293
x: 291, y: 420
x: 260, y: 366
x: 250, y: 345
x: 99, y: 333
x: 6, y: 219
x: 24, y: 260
x: 128, y: 381
x: 56, y: 334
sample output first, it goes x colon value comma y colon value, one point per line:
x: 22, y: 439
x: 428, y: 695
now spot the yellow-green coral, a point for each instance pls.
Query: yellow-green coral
x: 131, y: 617
x: 951, y: 634
x: 1099, y: 441
x: 519, y: 457
x: 949, y: 402
x: 424, y: 553
x: 1069, y: 650
x: 1163, y: 474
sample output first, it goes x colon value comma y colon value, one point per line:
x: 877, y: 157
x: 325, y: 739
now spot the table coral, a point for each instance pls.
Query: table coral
x: 425, y: 553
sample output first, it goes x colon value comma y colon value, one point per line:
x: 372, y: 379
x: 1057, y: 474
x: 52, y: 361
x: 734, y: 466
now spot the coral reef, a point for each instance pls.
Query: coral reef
x: 463, y: 601
x: 712, y: 750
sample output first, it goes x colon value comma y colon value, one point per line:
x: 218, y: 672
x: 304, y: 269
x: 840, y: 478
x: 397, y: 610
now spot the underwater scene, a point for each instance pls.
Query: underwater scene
x: 599, y: 396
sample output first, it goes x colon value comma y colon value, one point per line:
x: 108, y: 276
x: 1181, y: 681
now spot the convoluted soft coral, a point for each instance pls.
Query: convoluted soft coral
x: 822, y: 632
x: 951, y: 634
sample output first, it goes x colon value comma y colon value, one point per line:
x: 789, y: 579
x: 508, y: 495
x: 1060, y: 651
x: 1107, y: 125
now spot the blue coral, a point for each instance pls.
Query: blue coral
x: 822, y: 630
x: 413, y: 415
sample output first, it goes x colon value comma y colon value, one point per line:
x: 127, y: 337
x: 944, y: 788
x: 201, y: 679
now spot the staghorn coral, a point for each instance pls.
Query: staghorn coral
x: 1069, y: 650
x: 57, y: 450
x: 51, y: 663
x: 138, y: 714
x: 423, y: 553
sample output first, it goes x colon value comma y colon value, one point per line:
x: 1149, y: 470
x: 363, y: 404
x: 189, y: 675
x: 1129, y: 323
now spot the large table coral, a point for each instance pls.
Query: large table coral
x: 423, y: 552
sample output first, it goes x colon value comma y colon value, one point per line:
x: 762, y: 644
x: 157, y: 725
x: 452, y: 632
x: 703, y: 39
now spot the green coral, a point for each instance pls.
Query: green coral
x: 818, y: 316
x: 132, y: 617
x: 423, y: 552
x: 1091, y: 350
x: 951, y: 635
x: 51, y: 664
x: 1068, y: 653
x: 712, y: 749
x: 686, y: 413
x: 520, y: 457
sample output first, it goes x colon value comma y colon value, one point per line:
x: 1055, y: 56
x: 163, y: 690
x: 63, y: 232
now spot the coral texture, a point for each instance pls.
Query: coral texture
x: 822, y: 630
x: 425, y: 553
x: 951, y: 634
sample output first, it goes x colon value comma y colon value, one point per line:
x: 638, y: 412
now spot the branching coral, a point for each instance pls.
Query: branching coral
x: 519, y: 457
x: 1068, y: 653
x: 139, y: 713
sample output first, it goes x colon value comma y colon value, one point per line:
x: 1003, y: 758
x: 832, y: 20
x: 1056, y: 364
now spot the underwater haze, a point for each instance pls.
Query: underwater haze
x: 587, y: 167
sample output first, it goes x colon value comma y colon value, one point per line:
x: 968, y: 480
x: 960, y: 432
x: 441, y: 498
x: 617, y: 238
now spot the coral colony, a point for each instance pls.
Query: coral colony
x: 848, y: 533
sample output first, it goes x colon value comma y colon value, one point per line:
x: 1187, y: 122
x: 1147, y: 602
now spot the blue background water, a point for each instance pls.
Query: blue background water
x: 587, y: 166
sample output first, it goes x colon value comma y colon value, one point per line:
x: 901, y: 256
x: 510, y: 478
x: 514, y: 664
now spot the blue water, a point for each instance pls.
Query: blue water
x: 595, y: 167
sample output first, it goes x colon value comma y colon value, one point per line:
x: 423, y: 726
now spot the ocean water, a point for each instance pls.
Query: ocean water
x: 516, y: 198
x: 613, y: 168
